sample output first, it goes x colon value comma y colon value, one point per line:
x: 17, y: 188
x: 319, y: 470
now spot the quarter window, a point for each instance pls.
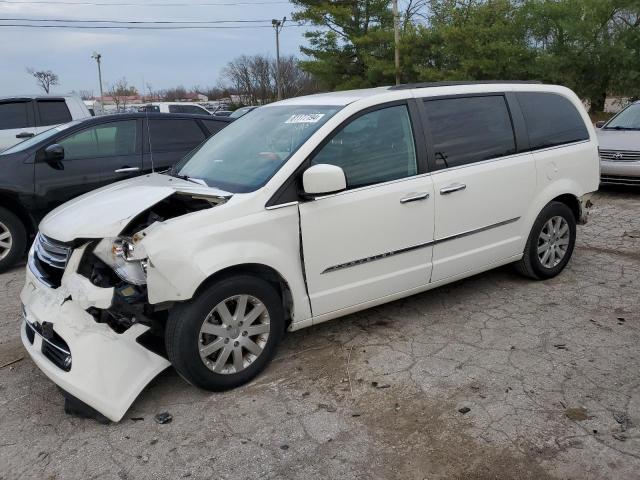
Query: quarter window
x: 13, y: 115
x: 53, y: 112
x: 174, y: 135
x: 375, y: 147
x: 108, y: 140
x: 465, y: 130
x: 551, y: 120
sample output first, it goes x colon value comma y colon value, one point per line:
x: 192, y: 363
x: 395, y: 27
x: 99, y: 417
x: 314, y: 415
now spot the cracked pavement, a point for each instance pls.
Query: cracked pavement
x: 548, y: 371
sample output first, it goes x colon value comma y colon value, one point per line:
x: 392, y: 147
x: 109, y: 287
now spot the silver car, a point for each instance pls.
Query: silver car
x: 620, y: 147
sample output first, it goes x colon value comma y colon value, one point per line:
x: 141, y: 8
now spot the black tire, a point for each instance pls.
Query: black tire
x: 18, y: 234
x: 182, y: 334
x: 531, y: 265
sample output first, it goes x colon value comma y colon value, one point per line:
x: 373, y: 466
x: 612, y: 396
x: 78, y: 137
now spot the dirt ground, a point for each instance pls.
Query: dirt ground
x: 548, y: 370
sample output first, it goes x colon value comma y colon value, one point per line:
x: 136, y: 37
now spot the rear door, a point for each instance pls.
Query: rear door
x: 17, y: 121
x: 167, y: 140
x: 482, y: 185
x: 93, y: 157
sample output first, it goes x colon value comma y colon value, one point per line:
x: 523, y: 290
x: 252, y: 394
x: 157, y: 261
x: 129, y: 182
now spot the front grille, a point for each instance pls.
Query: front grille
x: 620, y: 155
x: 49, y: 260
x: 619, y: 180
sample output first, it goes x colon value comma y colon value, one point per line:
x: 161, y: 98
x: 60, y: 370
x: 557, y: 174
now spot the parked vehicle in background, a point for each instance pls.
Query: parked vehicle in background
x: 174, y: 107
x: 620, y: 147
x: 94, y: 107
x: 222, y: 113
x: 303, y: 211
x: 68, y: 160
x: 24, y: 116
x: 242, y: 111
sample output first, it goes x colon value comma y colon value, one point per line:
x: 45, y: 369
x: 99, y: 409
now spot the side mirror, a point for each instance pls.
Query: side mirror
x: 323, y: 179
x: 54, y: 153
x: 600, y: 124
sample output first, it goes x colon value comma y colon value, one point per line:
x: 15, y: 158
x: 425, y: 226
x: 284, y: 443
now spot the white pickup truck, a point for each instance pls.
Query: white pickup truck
x: 24, y: 116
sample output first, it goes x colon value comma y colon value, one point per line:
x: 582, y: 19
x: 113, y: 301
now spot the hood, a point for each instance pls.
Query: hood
x: 107, y: 211
x: 619, y: 139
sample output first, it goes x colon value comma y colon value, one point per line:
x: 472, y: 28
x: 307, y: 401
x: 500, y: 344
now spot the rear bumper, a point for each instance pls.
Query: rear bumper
x: 107, y: 370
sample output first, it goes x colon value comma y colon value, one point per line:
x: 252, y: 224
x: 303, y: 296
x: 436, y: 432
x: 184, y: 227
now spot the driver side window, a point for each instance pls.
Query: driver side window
x: 110, y: 139
x: 374, y: 148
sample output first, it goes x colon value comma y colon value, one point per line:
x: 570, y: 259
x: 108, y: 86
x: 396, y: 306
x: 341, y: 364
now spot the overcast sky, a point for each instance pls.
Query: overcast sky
x: 162, y: 58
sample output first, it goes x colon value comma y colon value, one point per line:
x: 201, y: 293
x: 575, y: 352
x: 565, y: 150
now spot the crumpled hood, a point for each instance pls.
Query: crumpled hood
x: 619, y: 139
x: 106, y: 211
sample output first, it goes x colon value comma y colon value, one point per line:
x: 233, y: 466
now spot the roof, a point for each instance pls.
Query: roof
x: 40, y: 95
x: 346, y: 97
x: 121, y: 116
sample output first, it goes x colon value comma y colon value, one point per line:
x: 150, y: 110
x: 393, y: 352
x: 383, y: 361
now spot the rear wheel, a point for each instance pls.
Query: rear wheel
x: 550, y: 244
x: 227, y: 335
x: 13, y: 239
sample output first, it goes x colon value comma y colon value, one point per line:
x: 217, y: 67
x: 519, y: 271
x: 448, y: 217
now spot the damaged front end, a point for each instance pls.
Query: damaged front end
x: 88, y: 323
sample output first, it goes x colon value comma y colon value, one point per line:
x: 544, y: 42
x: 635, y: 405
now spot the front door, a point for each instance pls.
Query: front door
x: 483, y: 187
x: 374, y: 239
x: 93, y: 157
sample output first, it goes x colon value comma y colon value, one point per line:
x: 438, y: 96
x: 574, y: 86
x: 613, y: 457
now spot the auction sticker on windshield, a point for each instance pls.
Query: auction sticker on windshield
x: 305, y: 118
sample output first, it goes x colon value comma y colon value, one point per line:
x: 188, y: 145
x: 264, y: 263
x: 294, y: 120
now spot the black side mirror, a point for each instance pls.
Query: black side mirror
x: 54, y: 153
x: 600, y: 124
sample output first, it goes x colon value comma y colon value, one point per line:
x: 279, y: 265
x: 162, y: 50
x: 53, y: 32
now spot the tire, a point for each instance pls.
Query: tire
x: 551, y: 223
x: 13, y: 239
x: 185, y: 338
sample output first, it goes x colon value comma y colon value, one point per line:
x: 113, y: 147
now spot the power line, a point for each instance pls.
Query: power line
x: 133, y: 27
x: 127, y: 22
x: 115, y: 4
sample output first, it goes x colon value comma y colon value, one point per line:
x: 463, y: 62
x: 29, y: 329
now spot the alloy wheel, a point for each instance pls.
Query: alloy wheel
x: 6, y: 241
x: 553, y: 242
x: 230, y: 342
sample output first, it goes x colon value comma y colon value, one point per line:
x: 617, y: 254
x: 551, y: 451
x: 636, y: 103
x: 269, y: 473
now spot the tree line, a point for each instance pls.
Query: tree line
x: 591, y: 46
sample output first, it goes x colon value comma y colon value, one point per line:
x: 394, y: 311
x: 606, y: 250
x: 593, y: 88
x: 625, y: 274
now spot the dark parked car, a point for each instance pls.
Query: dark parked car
x: 66, y: 161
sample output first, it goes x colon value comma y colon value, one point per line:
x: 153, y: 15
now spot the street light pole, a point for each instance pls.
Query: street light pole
x: 277, y: 25
x: 396, y: 40
x: 97, y: 58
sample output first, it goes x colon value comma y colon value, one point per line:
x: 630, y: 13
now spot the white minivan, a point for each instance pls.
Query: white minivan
x: 25, y: 116
x: 306, y: 210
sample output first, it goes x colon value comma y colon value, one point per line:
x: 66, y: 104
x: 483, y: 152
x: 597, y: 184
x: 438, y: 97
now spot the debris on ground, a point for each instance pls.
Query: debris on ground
x: 464, y: 410
x: 164, y: 417
x: 380, y: 385
x: 137, y: 419
x: 632, y: 234
x: 328, y: 408
x: 284, y: 447
x: 11, y: 362
x: 561, y: 346
x: 621, y: 437
x: 623, y: 419
x: 577, y: 414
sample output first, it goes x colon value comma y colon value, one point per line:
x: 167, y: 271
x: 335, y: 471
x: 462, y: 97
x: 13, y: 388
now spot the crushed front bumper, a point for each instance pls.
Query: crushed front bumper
x: 106, y: 370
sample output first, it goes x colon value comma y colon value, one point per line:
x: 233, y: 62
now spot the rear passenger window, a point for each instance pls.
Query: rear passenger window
x: 551, y: 120
x: 465, y: 130
x: 376, y: 147
x: 213, y: 126
x: 53, y: 112
x: 174, y: 135
x: 13, y: 115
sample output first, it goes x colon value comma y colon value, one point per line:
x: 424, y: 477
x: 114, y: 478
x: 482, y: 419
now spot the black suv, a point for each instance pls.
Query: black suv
x: 68, y: 160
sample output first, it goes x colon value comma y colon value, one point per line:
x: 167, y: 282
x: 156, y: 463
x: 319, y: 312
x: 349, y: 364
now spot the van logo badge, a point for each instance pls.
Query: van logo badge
x: 618, y: 156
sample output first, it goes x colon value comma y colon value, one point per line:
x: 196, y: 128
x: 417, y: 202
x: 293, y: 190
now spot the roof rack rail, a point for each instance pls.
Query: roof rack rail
x: 408, y: 86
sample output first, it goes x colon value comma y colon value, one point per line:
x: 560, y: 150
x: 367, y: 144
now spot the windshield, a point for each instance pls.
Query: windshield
x: 246, y: 154
x: 628, y: 119
x: 22, y: 146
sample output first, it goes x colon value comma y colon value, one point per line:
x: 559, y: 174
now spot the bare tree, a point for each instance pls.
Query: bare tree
x: 174, y: 94
x: 44, y: 78
x: 120, y: 91
x: 86, y: 94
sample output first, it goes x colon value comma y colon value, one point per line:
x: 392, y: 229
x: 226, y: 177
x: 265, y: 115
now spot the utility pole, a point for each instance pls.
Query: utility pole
x: 278, y: 25
x: 97, y: 58
x: 396, y: 39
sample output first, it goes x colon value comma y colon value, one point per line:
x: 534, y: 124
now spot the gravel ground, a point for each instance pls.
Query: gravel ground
x: 548, y: 371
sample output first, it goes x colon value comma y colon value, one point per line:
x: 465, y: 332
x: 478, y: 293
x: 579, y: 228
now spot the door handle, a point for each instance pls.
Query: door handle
x: 127, y: 169
x: 414, y: 197
x: 454, y: 187
x: 25, y: 135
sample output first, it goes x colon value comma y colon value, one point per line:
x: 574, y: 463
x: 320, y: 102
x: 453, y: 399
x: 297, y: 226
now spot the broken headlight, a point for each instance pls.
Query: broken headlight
x: 129, y: 261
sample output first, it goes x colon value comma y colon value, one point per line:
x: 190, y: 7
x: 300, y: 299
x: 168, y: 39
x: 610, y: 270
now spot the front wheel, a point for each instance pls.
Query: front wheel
x: 227, y: 335
x: 550, y: 242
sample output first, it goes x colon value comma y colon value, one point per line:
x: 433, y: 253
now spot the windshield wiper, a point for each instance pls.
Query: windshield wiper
x: 171, y: 172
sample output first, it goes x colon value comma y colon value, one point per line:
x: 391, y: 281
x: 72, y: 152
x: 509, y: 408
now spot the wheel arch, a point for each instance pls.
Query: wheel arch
x: 12, y: 204
x: 259, y: 270
x: 572, y: 202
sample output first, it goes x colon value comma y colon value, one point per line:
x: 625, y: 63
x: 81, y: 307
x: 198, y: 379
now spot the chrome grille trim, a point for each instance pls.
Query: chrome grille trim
x: 51, y: 252
x: 620, y: 155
